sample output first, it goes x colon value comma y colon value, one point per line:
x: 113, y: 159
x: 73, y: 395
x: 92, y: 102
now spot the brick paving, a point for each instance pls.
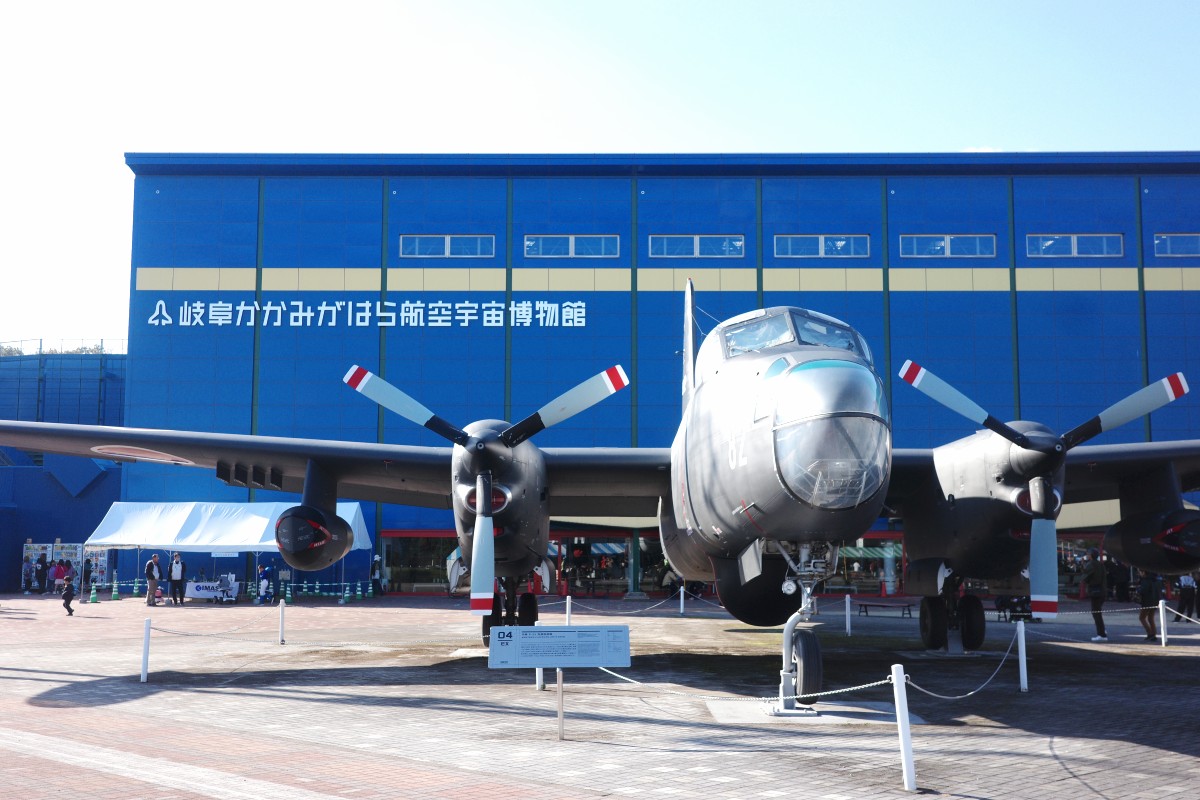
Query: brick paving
x: 392, y: 698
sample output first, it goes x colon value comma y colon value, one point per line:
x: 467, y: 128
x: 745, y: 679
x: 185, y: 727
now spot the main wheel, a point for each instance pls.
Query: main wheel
x: 933, y: 623
x: 806, y: 649
x: 492, y: 620
x: 972, y: 622
x: 527, y: 609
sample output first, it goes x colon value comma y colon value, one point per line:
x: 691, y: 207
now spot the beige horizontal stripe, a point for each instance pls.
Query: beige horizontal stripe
x: 666, y: 279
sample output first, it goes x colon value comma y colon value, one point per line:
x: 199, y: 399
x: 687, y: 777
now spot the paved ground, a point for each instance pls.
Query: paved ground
x: 393, y: 698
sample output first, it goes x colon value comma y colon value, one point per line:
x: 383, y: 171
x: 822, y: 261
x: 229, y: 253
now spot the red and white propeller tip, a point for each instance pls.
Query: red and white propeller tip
x: 377, y: 389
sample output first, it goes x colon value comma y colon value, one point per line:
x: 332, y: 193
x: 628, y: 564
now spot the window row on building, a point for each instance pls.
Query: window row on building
x: 808, y: 245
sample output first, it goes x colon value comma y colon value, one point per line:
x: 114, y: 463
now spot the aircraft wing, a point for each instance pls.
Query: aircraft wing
x: 1093, y: 472
x: 607, y: 481
x: 582, y: 481
x: 407, y: 475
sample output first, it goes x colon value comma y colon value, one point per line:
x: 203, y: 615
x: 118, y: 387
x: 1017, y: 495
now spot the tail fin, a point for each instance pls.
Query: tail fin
x: 689, y: 342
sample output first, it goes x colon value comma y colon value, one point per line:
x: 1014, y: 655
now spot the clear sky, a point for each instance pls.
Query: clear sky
x: 85, y: 82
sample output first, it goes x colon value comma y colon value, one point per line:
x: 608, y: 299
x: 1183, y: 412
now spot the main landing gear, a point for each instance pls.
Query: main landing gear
x: 950, y: 612
x: 509, y: 608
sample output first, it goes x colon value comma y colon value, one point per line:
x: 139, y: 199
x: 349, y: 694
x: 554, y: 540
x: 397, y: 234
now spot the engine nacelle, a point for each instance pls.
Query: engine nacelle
x: 1167, y: 543
x: 311, y: 539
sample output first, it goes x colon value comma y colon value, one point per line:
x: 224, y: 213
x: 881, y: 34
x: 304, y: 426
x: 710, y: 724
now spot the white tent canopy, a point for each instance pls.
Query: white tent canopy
x: 206, y: 527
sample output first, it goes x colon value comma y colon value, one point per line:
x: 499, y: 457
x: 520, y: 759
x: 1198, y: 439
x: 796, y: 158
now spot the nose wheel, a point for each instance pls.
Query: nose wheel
x: 509, y: 608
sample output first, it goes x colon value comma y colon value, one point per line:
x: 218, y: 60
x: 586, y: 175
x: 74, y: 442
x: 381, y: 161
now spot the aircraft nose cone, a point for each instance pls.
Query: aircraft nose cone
x: 832, y: 436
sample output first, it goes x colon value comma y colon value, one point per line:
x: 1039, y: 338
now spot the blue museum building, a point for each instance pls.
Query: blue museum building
x: 1045, y: 286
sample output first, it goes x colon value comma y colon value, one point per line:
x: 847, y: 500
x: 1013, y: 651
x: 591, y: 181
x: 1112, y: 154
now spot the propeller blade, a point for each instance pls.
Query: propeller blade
x: 376, y: 388
x: 568, y: 404
x: 483, y: 549
x: 1043, y: 569
x: 1140, y: 403
x: 934, y: 387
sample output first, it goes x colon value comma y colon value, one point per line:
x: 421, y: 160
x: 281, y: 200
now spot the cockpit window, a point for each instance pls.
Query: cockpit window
x: 824, y: 332
x: 758, y: 334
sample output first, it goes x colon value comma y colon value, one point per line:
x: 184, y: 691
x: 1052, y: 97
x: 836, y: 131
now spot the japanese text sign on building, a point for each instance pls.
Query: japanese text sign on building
x: 559, y: 646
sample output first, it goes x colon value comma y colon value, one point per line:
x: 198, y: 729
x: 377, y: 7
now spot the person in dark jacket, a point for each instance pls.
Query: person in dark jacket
x: 154, y: 574
x: 1150, y: 589
x: 68, y: 595
x: 177, y: 576
x: 41, y: 571
x: 1095, y: 580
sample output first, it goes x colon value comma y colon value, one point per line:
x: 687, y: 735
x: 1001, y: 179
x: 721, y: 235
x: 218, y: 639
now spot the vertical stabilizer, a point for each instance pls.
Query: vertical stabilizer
x: 689, y: 342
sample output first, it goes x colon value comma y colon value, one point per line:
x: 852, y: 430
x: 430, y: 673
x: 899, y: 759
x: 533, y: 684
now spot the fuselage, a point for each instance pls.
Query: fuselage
x: 786, y: 436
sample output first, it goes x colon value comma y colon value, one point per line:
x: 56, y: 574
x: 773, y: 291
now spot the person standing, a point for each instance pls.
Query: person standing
x: 26, y: 575
x: 41, y: 572
x: 58, y: 573
x: 177, y: 575
x: 154, y: 574
x: 377, y: 576
x: 1095, y: 580
x: 1149, y: 593
x: 1187, y: 597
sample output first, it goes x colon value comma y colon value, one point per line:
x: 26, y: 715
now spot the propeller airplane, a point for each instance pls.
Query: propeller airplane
x: 783, y: 455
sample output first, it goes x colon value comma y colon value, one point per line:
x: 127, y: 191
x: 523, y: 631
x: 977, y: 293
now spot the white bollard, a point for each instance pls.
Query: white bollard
x: 682, y: 595
x: 568, y: 609
x: 282, y: 605
x: 902, y: 727
x: 1021, y: 655
x: 847, y: 615
x: 146, y: 651
x: 1162, y: 621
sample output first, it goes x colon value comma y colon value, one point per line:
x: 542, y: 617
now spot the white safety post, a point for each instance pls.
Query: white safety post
x: 1162, y: 621
x: 682, y: 595
x: 559, y: 675
x: 282, y: 605
x: 847, y: 615
x: 539, y: 673
x: 146, y: 651
x: 906, y: 754
x: 1021, y: 655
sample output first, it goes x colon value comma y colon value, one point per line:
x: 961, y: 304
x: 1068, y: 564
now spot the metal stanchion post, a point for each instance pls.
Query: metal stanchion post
x: 906, y: 754
x: 1021, y: 655
x: 539, y: 673
x: 146, y: 651
x: 847, y: 615
x: 282, y: 606
x: 1162, y: 621
x: 682, y: 591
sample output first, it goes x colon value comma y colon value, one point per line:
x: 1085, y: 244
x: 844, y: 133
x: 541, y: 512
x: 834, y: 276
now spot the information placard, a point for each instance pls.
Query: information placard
x: 559, y: 646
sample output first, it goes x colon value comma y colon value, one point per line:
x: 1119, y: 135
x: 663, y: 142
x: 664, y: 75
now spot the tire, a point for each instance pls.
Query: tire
x: 972, y: 622
x: 806, y: 649
x: 933, y: 623
x: 491, y: 620
x: 527, y: 609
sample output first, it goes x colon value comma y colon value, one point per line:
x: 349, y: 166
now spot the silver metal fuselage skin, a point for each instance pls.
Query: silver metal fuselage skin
x: 522, y: 526
x: 790, y: 442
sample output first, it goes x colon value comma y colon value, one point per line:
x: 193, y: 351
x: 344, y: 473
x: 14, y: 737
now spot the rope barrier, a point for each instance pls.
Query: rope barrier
x: 770, y: 699
x: 908, y: 679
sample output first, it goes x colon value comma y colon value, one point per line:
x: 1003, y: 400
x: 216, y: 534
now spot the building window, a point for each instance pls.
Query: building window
x: 447, y: 246
x: 698, y: 246
x: 948, y: 245
x: 1170, y: 245
x: 825, y: 245
x: 573, y: 246
x: 1075, y: 245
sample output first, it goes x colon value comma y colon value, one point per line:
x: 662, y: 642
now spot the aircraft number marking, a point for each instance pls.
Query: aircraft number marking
x: 737, y: 451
